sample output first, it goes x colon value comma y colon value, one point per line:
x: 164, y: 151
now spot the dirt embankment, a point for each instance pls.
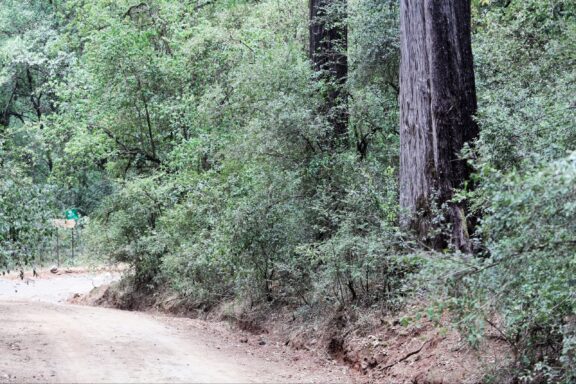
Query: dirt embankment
x: 389, y: 350
x: 386, y: 349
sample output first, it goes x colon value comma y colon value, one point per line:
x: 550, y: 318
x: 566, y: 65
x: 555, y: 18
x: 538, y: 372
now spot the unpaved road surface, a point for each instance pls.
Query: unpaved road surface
x: 43, y: 339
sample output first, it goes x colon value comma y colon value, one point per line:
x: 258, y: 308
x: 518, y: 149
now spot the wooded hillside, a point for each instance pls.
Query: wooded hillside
x: 322, y: 155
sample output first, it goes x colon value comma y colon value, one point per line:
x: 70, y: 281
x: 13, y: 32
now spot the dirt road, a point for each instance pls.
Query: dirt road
x: 43, y: 339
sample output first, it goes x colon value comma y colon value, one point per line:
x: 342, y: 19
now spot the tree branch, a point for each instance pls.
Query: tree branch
x: 406, y: 356
x: 131, y: 150
x: 137, y: 7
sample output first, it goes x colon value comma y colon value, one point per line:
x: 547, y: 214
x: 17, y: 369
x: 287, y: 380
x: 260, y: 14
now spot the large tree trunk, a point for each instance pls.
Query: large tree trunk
x: 328, y: 44
x: 437, y: 104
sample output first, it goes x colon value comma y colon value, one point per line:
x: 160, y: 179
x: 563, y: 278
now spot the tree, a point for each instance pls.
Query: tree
x: 328, y: 45
x: 437, y: 104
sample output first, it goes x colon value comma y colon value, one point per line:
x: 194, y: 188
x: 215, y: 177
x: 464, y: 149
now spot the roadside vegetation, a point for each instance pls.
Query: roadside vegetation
x: 211, y: 147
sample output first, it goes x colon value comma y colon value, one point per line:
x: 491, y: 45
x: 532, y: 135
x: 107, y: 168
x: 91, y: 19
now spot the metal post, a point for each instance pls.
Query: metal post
x: 57, y: 247
x: 72, y: 243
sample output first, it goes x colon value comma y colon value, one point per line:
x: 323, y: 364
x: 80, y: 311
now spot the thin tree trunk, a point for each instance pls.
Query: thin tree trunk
x: 328, y: 45
x: 437, y: 104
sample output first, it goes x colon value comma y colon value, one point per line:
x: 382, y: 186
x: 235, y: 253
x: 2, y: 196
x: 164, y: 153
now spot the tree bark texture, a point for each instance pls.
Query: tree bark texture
x: 437, y: 104
x: 328, y: 45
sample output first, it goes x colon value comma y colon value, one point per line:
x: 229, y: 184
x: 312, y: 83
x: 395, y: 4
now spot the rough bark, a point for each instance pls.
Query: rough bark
x: 437, y: 104
x: 328, y: 44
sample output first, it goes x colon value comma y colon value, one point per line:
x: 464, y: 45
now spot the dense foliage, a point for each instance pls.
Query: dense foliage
x: 192, y: 134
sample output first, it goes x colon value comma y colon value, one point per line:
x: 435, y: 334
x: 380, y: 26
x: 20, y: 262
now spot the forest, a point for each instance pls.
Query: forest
x: 314, y: 156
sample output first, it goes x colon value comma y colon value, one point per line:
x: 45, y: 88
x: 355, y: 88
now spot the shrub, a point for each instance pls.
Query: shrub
x: 528, y: 278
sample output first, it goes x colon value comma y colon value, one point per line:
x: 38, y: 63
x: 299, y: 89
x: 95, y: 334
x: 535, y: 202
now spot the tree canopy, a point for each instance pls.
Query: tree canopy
x: 251, y: 149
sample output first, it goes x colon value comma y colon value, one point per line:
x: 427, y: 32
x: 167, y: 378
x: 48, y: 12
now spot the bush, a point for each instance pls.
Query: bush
x: 528, y: 278
x: 125, y: 228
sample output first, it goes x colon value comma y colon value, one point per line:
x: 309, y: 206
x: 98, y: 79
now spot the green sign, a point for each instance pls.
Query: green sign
x: 72, y: 214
